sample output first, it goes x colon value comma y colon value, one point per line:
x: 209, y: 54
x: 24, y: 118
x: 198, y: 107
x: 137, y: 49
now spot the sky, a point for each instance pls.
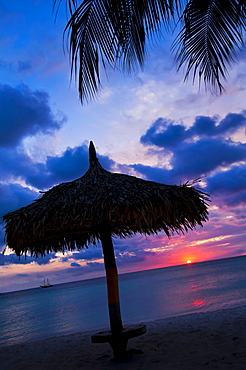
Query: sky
x: 150, y: 124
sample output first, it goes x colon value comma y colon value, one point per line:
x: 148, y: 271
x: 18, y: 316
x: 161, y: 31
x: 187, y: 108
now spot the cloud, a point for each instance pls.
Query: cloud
x: 163, y: 133
x: 9, y: 259
x: 130, y: 257
x: 75, y: 264
x: 196, y: 151
x: 25, y: 113
x: 2, y: 257
x: 205, y: 155
x: 132, y: 251
x: 167, y: 134
x: 16, y: 165
x: 14, y: 196
x: 229, y: 186
x: 94, y: 264
x: 236, y: 199
x: 196, y: 159
x: 228, y: 182
x: 2, y: 238
x: 72, y: 164
x: 209, y: 126
x: 84, y: 254
x: 157, y: 174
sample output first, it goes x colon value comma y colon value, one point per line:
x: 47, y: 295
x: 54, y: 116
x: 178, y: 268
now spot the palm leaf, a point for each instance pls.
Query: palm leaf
x: 114, y: 32
x: 211, y: 34
x: 111, y: 32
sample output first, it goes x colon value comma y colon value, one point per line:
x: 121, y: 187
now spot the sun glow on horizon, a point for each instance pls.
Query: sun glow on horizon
x: 188, y: 261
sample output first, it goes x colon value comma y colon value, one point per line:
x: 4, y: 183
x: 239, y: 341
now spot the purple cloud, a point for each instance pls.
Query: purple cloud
x: 14, y: 196
x: 166, y: 134
x: 25, y: 260
x: 163, y: 133
x: 227, y: 182
x: 25, y: 113
x: 75, y: 264
x: 72, y: 164
x: 195, y: 159
x: 203, y: 156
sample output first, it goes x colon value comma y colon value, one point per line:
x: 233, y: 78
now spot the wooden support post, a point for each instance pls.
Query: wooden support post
x: 112, y: 282
x: 118, y: 336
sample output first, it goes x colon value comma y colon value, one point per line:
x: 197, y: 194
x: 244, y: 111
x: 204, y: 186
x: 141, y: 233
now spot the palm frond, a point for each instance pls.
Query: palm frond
x: 111, y: 32
x: 71, y: 5
x: 211, y: 34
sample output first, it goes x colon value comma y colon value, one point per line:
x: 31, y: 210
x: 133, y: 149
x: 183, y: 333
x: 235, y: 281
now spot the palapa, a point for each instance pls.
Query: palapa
x: 98, y: 206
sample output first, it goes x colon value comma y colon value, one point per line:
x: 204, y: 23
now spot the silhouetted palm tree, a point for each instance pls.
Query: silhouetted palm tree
x: 114, y: 32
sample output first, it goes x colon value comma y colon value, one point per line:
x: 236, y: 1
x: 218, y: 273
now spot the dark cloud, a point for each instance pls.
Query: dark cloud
x: 25, y: 113
x: 138, y: 256
x: 84, y: 254
x: 75, y: 264
x: 14, y: 163
x: 203, y: 156
x: 235, y: 199
x: 14, y: 196
x: 157, y: 174
x: 163, y: 133
x: 196, y: 151
x: 77, y: 272
x: 203, y: 126
x: 195, y: 159
x: 132, y: 251
x: 209, y: 126
x: 166, y: 134
x: 125, y: 259
x: 240, y: 213
x: 9, y: 259
x: 228, y: 182
x: 2, y: 257
x: 201, y: 151
x: 232, y: 122
x: 72, y: 164
x: 229, y: 186
x: 94, y: 264
x: 2, y: 238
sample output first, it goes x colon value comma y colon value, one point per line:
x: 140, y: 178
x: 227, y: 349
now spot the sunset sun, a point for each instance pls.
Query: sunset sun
x: 188, y: 261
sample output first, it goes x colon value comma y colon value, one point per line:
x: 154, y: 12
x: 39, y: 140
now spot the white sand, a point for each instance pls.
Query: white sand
x: 211, y: 340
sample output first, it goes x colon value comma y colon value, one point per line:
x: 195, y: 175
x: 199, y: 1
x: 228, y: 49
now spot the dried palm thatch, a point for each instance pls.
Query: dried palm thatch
x: 72, y: 215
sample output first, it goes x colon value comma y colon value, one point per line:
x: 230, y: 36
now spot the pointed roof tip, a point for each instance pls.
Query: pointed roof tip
x: 92, y: 152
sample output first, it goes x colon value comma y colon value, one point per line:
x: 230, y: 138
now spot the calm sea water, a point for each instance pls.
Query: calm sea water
x: 148, y: 295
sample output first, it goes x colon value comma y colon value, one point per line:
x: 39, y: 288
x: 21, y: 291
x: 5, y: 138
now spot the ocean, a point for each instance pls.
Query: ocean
x: 34, y: 314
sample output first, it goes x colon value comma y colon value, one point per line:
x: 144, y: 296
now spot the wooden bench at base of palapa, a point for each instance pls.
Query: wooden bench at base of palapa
x: 118, y: 340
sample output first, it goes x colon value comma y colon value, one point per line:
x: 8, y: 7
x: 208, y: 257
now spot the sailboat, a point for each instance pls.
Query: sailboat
x: 46, y: 284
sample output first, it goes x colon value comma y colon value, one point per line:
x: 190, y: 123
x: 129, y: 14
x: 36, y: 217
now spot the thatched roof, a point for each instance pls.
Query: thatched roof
x: 70, y: 215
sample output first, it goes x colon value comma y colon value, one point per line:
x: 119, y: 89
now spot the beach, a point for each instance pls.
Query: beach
x: 205, y: 340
